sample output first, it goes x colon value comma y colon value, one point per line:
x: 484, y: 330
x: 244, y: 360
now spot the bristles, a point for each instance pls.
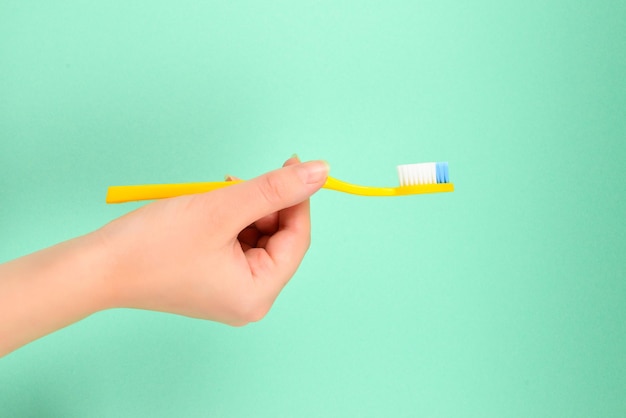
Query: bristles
x: 423, y: 173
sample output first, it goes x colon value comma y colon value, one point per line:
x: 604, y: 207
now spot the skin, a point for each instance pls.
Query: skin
x: 222, y: 256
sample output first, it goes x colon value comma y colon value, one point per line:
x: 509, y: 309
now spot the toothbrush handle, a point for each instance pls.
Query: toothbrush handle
x: 122, y: 194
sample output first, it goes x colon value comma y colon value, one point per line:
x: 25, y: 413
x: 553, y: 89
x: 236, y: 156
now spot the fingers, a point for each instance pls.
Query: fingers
x: 258, y: 233
x: 287, y: 247
x: 267, y: 225
x: 274, y: 225
x: 294, y: 230
x: 255, y: 199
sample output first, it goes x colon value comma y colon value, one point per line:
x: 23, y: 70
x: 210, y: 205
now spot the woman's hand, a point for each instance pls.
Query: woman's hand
x: 223, y: 255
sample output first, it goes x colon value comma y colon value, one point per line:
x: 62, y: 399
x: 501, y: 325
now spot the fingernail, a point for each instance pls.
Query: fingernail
x: 296, y: 157
x: 313, y: 171
x: 228, y: 177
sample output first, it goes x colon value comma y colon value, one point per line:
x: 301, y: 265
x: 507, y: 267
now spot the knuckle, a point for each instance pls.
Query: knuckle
x: 258, y: 313
x: 252, y: 309
x: 238, y: 323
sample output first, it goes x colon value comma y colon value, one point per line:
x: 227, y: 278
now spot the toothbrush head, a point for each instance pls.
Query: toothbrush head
x: 423, y: 173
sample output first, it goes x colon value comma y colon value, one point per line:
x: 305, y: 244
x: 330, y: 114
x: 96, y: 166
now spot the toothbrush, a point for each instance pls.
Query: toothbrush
x: 414, y: 179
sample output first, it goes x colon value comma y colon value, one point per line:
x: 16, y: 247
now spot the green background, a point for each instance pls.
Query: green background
x: 506, y: 298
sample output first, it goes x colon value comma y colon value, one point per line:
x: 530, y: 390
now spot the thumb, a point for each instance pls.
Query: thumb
x: 279, y: 189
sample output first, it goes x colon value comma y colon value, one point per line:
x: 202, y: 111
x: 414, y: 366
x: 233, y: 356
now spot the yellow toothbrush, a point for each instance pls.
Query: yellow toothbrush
x: 414, y: 179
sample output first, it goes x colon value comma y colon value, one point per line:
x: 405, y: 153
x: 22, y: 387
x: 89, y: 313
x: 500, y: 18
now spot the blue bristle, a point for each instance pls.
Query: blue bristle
x: 442, y: 172
x: 441, y: 175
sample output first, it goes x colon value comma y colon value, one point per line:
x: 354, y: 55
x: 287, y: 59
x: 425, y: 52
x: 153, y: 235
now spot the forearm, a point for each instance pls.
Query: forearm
x: 50, y: 289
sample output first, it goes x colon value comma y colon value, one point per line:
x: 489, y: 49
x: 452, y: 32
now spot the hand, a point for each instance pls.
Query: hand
x: 223, y: 255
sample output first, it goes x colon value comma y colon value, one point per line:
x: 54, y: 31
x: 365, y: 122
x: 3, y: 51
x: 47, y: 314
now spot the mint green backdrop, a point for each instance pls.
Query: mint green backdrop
x: 506, y: 298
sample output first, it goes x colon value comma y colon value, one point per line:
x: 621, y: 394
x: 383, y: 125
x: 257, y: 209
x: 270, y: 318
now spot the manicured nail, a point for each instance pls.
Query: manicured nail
x: 313, y: 171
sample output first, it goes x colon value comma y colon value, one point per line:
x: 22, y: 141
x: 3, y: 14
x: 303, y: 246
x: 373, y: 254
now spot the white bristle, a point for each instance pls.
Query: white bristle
x: 417, y: 174
x: 432, y: 171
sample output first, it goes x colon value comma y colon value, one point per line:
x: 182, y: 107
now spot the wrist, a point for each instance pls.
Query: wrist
x: 93, y: 258
x: 76, y: 272
x: 50, y: 289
